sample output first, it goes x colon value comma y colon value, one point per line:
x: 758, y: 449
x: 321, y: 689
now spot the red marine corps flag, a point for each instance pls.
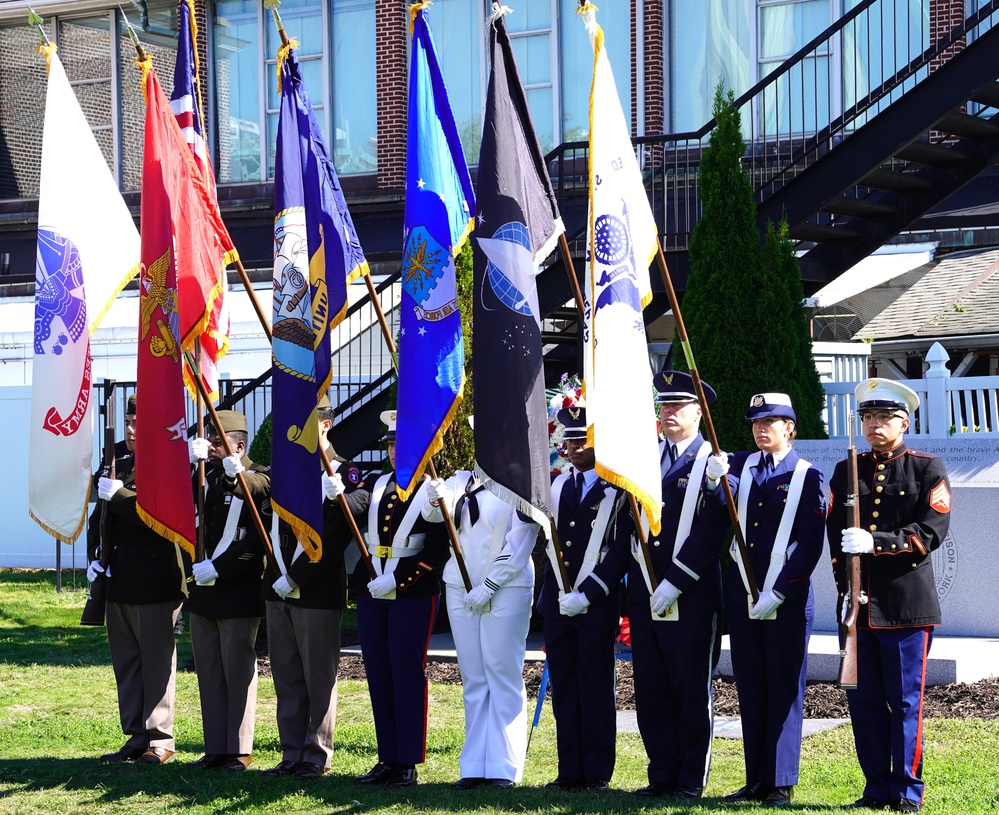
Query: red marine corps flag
x: 173, y: 235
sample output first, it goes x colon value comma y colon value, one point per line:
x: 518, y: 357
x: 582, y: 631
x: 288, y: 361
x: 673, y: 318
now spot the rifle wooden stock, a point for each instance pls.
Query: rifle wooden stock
x: 93, y: 609
x: 848, y: 628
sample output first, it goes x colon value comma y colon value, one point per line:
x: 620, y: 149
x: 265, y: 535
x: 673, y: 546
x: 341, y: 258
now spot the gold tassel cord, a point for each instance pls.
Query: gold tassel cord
x: 48, y: 49
x: 584, y: 8
x: 415, y: 9
x: 282, y: 57
x: 145, y: 64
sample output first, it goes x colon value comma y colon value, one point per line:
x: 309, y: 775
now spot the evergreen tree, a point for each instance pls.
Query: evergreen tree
x: 742, y: 306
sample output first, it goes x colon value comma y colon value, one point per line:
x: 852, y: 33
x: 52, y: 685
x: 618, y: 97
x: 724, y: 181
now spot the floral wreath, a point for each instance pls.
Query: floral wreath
x: 569, y: 393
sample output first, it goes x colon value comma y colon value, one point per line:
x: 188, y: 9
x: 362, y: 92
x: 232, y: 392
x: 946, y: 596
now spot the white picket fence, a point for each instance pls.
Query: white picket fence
x: 948, y: 406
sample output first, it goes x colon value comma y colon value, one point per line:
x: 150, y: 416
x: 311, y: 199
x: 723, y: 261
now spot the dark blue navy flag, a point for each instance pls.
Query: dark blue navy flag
x: 518, y: 226
x: 440, y: 211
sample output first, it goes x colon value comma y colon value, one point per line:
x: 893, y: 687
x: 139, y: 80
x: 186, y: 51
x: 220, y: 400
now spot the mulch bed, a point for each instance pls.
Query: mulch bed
x: 823, y: 700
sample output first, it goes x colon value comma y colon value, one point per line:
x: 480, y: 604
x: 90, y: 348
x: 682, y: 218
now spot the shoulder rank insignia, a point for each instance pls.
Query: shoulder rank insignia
x: 940, y: 498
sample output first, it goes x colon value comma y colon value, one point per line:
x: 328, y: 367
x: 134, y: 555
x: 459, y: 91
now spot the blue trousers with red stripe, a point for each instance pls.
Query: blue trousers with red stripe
x: 886, y: 710
x: 395, y: 636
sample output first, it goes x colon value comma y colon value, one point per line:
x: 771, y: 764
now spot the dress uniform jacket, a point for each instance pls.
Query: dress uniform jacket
x: 905, y: 504
x: 225, y: 616
x: 580, y: 649
x: 304, y: 632
x: 674, y: 658
x: 769, y: 657
x: 236, y: 592
x: 395, y: 633
x: 144, y: 594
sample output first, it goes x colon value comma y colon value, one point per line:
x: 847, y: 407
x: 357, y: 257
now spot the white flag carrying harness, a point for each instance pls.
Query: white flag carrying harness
x: 695, y: 478
x: 407, y: 545
x: 783, y: 546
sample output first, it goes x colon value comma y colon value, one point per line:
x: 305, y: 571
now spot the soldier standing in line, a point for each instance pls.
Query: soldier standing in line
x: 904, y: 499
x: 304, y: 612
x: 781, y: 505
x: 675, y: 639
x: 395, y: 616
x: 580, y: 625
x: 225, y: 603
x: 146, y: 586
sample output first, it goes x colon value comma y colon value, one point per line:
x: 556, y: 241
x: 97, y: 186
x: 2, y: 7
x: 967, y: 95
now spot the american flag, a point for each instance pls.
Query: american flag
x: 185, y: 103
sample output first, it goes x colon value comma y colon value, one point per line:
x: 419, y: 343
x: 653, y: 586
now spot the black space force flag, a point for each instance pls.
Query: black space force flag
x: 518, y: 226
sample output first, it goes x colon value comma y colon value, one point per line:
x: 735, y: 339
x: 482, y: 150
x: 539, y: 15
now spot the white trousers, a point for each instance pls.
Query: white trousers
x: 491, y: 649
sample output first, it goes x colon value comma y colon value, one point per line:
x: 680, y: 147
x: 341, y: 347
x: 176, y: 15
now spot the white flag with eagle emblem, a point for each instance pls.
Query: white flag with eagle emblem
x: 88, y: 249
x: 621, y: 242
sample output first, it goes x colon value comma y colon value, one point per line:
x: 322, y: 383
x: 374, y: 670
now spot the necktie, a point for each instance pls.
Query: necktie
x: 579, y: 488
x: 768, y: 465
x: 473, y: 503
x: 672, y: 453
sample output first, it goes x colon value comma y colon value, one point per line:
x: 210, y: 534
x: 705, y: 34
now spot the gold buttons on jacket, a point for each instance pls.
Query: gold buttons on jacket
x: 881, y: 478
x: 568, y: 544
x: 874, y: 527
x: 881, y: 466
x: 874, y: 514
x: 879, y: 488
x: 572, y: 523
x: 877, y: 500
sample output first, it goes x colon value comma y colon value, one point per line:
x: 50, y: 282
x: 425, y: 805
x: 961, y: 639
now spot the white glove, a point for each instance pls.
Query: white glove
x: 107, y: 487
x: 284, y: 586
x: 573, y: 603
x: 204, y: 571
x: 332, y: 487
x: 478, y: 598
x: 663, y: 597
x: 768, y: 603
x: 435, y: 490
x: 857, y: 541
x: 232, y: 466
x: 381, y: 586
x: 197, y: 449
x: 717, y: 467
x: 93, y: 570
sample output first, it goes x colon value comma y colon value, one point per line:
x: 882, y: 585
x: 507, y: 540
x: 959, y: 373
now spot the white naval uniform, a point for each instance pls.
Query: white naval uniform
x: 491, y: 645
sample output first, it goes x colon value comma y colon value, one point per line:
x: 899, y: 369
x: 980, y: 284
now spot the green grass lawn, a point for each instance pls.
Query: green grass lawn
x: 58, y: 713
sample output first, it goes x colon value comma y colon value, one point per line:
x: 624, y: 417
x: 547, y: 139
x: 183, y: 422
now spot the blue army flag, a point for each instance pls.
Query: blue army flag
x: 439, y: 215
x: 622, y: 240
x: 316, y: 256
x: 88, y: 250
x: 518, y: 225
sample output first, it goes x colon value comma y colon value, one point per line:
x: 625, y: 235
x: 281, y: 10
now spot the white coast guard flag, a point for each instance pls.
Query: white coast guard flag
x: 88, y: 249
x: 621, y: 242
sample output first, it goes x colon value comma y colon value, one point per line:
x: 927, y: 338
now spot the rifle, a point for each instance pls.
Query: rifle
x: 93, y: 610
x: 856, y: 597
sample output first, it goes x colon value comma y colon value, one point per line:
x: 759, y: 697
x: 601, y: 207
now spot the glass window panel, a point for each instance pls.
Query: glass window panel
x: 786, y: 28
x: 303, y: 21
x: 355, y: 119
x: 530, y: 16
x: 798, y: 102
x: 22, y: 89
x: 709, y: 41
x: 457, y: 32
x: 237, y: 90
x: 85, y: 50
x: 533, y: 56
x: 312, y: 73
x: 614, y: 18
x: 540, y: 101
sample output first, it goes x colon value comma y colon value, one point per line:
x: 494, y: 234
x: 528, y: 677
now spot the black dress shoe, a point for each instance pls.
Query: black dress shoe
x: 377, y: 774
x: 282, y: 768
x: 468, y: 783
x: 403, y: 775
x: 209, y: 761
x: 238, y: 763
x: 687, y: 792
x: 501, y: 783
x: 659, y: 789
x: 309, y: 770
x: 155, y: 755
x: 126, y: 753
x: 867, y: 802
x: 779, y: 796
x: 563, y: 785
x: 594, y: 785
x: 750, y: 792
x: 905, y: 805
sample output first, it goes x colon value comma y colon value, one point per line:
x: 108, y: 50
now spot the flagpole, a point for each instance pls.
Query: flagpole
x: 35, y: 20
x: 563, y: 244
x: 200, y: 546
x: 681, y: 331
x: 257, y: 520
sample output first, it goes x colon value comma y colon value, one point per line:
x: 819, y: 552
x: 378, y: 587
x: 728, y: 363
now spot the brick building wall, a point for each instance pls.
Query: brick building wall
x: 391, y: 25
x: 944, y: 16
x: 22, y: 111
x: 655, y: 75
